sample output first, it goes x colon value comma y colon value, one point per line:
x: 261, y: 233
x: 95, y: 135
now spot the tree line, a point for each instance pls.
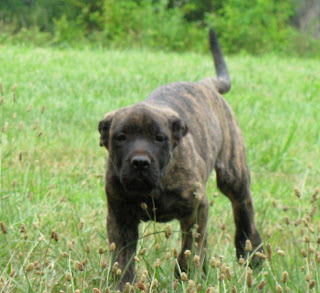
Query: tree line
x: 253, y: 26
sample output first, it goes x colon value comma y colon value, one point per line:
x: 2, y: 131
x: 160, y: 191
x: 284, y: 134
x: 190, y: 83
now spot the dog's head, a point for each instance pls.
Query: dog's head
x: 140, y: 140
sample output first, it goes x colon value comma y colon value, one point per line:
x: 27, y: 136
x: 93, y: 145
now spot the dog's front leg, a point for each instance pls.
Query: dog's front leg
x: 122, y: 230
x: 193, y: 228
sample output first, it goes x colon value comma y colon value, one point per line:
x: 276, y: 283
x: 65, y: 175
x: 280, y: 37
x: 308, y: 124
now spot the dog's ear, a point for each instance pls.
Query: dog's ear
x: 104, y: 128
x: 179, y: 130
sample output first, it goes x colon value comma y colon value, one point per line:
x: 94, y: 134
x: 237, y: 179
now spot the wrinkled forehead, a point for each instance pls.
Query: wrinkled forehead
x: 140, y: 119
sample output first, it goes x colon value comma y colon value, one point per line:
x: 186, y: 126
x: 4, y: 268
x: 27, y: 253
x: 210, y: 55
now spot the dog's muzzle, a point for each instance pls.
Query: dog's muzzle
x: 139, y: 173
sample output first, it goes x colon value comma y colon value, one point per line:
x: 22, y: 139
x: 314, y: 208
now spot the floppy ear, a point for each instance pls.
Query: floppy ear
x: 179, y: 129
x: 104, y: 128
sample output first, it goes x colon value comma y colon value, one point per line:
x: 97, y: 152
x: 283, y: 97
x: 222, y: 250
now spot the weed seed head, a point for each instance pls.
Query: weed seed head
x: 196, y: 260
x: 261, y: 255
x: 112, y: 247
x: 96, y: 290
x: 168, y: 231
x: 157, y: 263
x: 29, y: 267
x: 308, y: 278
x: 80, y: 266
x: 297, y: 192
x: 184, y: 277
x: 3, y: 228
x: 87, y: 248
x: 54, y: 236
x: 314, y: 209
x: 143, y: 278
x: 248, y: 246
x: 141, y: 286
x: 142, y: 251
x: 297, y: 222
x: 101, y: 250
x: 155, y: 284
x: 144, y: 206
x: 157, y: 246
x: 175, y: 253
x: 312, y: 284
x: 279, y: 289
x: 285, y: 276
x: 287, y: 220
x: 211, y: 290
x: 249, y: 278
x: 115, y: 267
x: 23, y: 228
x: 103, y: 263
x: 221, y: 277
x: 70, y: 245
x: 5, y: 127
x: 228, y: 274
x: 261, y: 285
x: 81, y: 224
x: 127, y: 288
x: 68, y: 277
x: 314, y: 196
x: 199, y: 196
x: 187, y: 253
x: 311, y: 249
x: 190, y: 286
x: 269, y: 250
x: 119, y: 272
x: 12, y: 273
x: 304, y: 253
x: 242, y: 261
x: 233, y: 289
x: 213, y: 262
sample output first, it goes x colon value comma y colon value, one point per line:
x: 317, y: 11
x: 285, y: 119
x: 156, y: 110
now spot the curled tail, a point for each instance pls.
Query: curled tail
x: 223, y: 82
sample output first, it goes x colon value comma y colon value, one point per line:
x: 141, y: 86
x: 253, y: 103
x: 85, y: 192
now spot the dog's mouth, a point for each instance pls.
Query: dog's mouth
x: 139, y: 183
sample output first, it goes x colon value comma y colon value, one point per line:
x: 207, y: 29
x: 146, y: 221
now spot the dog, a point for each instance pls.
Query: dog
x: 161, y: 153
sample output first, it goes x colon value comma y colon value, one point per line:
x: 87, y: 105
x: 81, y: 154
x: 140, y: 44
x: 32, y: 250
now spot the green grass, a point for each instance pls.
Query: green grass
x: 52, y: 170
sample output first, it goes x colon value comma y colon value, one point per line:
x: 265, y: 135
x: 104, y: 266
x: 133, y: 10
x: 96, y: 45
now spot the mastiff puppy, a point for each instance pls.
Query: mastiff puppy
x: 161, y: 153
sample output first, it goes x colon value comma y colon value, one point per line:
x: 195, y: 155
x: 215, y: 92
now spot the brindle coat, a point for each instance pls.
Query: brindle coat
x: 162, y: 151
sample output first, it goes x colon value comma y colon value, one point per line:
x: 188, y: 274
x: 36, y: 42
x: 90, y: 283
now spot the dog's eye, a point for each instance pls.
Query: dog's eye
x: 120, y: 137
x: 160, y: 138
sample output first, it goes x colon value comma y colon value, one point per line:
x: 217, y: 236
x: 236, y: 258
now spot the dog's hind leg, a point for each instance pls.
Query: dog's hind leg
x: 233, y: 179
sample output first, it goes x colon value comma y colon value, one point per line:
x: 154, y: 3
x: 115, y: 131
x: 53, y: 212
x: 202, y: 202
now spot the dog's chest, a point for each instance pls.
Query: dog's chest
x: 165, y: 206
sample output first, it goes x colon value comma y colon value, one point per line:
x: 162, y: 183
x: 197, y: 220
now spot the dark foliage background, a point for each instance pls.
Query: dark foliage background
x: 252, y: 26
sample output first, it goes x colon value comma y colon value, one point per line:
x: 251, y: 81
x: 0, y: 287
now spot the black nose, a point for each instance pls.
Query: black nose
x: 140, y: 162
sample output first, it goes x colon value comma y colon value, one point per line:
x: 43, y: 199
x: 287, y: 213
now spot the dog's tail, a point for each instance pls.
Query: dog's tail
x: 223, y: 82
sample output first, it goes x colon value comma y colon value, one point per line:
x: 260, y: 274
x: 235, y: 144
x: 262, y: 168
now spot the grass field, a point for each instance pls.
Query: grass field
x: 52, y: 171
